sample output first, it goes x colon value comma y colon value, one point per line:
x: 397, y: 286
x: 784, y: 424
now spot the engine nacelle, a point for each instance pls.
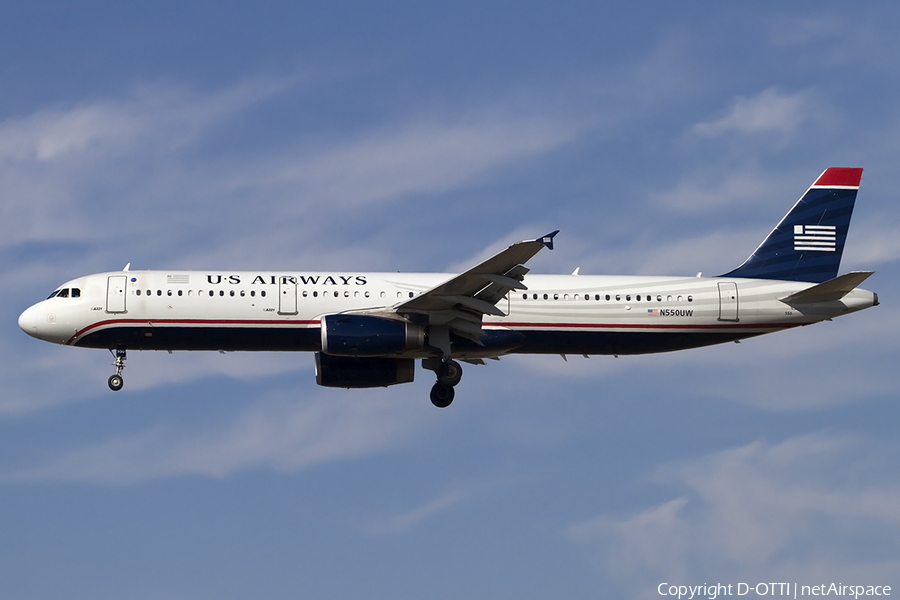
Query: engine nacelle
x: 343, y: 372
x: 365, y: 335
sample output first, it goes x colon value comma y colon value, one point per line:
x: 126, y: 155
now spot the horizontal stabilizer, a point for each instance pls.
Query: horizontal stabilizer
x: 829, y: 291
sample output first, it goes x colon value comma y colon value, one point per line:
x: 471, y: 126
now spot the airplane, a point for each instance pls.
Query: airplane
x: 368, y: 329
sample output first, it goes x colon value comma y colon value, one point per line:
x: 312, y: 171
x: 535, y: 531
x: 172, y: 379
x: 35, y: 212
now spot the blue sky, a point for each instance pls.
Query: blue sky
x: 660, y: 138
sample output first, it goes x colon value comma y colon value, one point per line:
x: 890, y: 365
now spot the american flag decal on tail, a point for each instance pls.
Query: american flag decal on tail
x: 821, y: 238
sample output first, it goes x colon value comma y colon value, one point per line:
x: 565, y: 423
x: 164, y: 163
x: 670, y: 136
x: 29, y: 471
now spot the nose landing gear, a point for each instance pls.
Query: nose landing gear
x: 449, y: 373
x: 115, y: 381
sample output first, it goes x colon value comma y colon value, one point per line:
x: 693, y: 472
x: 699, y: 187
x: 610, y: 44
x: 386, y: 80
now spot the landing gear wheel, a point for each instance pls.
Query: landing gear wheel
x: 449, y: 373
x: 116, y: 382
x: 442, y: 395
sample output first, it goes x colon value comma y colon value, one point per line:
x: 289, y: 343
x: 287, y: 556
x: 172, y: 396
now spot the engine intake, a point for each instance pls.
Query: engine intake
x: 365, y: 335
x: 342, y: 372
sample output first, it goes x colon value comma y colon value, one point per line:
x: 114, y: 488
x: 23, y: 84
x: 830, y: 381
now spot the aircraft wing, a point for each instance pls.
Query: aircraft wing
x: 461, y: 302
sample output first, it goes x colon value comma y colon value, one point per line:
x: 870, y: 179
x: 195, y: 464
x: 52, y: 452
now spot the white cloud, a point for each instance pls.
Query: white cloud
x: 699, y: 191
x: 278, y: 432
x: 142, y: 168
x: 810, y: 506
x: 769, y: 112
x: 403, y: 522
x: 423, y: 157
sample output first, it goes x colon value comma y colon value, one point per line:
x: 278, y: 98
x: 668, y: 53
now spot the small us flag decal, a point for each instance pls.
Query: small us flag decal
x: 814, y: 237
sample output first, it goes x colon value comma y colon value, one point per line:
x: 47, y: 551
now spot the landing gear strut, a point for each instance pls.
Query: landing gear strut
x: 115, y: 381
x: 449, y: 373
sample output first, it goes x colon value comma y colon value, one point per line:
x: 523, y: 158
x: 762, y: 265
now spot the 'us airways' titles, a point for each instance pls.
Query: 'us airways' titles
x: 369, y: 329
x: 294, y: 279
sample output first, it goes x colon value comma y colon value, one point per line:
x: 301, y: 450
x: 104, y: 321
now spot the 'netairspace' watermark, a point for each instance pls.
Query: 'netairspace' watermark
x: 715, y: 590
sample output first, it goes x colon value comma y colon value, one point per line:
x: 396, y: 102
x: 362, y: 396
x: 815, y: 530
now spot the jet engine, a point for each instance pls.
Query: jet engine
x: 366, y: 335
x: 332, y: 371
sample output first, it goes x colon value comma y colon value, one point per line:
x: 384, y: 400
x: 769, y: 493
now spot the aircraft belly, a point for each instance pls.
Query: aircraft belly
x: 624, y: 342
x: 259, y: 337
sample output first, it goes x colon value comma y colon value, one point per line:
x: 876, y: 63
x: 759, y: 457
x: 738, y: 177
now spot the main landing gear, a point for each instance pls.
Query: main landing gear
x: 449, y: 373
x: 115, y: 381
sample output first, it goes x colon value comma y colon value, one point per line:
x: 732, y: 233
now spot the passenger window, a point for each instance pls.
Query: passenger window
x: 638, y: 297
x: 336, y: 294
x: 252, y: 293
x: 690, y: 298
x: 168, y: 292
x: 534, y: 296
x: 383, y: 294
x: 305, y: 293
x: 315, y: 294
x: 618, y: 297
x: 149, y: 293
x: 243, y: 293
x: 263, y: 293
x: 628, y: 297
x: 659, y: 298
x: 668, y: 298
x: 524, y: 296
x: 221, y: 292
x: 159, y: 292
x: 179, y: 292
x: 211, y: 293
x: 137, y: 292
x: 679, y: 298
x: 556, y: 296
x: 231, y: 293
x: 607, y: 297
x: 366, y: 294
x: 347, y: 295
x: 545, y: 296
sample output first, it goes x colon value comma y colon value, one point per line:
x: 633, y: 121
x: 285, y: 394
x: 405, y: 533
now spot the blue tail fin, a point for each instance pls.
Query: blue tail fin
x: 808, y: 242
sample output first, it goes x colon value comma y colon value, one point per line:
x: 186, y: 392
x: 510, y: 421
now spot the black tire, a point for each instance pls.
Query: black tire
x: 450, y: 373
x: 442, y: 395
x: 116, y: 382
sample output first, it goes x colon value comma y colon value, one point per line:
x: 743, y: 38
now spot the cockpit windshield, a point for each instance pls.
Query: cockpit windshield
x: 64, y: 293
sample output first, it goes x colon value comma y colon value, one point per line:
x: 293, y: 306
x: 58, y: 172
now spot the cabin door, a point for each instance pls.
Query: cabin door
x: 287, y: 297
x: 115, y: 293
x: 728, y: 301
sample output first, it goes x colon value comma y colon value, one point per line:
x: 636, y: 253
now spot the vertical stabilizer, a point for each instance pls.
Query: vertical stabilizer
x: 808, y: 242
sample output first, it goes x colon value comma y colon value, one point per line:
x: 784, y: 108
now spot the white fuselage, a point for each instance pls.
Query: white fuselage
x: 281, y: 311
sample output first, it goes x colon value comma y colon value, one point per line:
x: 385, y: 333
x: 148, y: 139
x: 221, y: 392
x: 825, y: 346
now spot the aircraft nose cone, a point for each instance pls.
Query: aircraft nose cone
x: 28, y: 321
